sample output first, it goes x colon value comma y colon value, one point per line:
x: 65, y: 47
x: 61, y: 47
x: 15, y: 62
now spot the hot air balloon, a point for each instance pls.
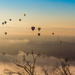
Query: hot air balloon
x: 33, y: 28
x: 60, y: 41
x: 2, y: 23
x: 5, y: 33
x: 10, y: 19
x: 5, y: 22
x: 52, y: 33
x: 19, y: 19
x: 39, y: 29
x: 38, y: 34
x: 24, y: 14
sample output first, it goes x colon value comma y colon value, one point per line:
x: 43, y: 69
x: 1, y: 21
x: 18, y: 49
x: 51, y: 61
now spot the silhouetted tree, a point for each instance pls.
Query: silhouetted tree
x: 29, y: 68
x: 45, y: 71
x: 62, y: 69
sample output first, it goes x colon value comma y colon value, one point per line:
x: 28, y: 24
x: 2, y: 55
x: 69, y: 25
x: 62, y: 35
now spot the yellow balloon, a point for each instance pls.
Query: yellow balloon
x: 24, y: 14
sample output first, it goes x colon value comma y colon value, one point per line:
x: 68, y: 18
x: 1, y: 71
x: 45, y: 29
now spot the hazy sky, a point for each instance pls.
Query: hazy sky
x: 53, y: 16
x: 56, y: 16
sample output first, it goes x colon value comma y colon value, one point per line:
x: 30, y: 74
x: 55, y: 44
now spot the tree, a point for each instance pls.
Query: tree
x: 28, y: 67
x: 45, y: 71
x: 63, y: 68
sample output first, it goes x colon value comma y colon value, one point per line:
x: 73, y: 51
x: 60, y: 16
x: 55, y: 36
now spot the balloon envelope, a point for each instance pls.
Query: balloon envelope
x: 19, y: 19
x: 24, y: 14
x: 2, y: 23
x: 39, y: 29
x: 5, y: 22
x: 52, y: 33
x: 10, y: 19
x: 33, y: 28
x: 60, y: 41
x: 5, y: 33
x: 38, y: 34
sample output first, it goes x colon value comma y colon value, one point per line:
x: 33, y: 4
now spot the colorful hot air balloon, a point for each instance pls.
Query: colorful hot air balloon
x: 2, y: 23
x: 10, y: 19
x: 19, y: 19
x: 5, y: 33
x: 24, y: 14
x: 52, y: 33
x: 5, y: 22
x: 38, y: 34
x: 33, y: 28
x: 39, y: 29
x: 60, y: 41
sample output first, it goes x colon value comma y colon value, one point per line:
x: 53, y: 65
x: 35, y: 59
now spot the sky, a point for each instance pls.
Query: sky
x: 51, y: 15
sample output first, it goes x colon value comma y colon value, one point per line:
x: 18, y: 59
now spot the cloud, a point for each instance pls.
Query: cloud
x: 21, y: 53
x: 18, y: 41
x: 8, y: 42
x: 42, y: 45
x: 46, y: 62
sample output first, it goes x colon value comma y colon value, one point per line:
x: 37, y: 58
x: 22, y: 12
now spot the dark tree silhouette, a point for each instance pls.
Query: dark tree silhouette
x: 28, y: 67
x: 62, y: 69
x: 45, y: 71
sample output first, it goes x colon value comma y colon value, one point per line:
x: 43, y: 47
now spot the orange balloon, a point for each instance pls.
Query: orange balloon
x: 60, y: 41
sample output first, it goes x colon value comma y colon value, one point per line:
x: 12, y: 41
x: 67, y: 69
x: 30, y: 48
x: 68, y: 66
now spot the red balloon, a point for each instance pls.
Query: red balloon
x: 52, y: 33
